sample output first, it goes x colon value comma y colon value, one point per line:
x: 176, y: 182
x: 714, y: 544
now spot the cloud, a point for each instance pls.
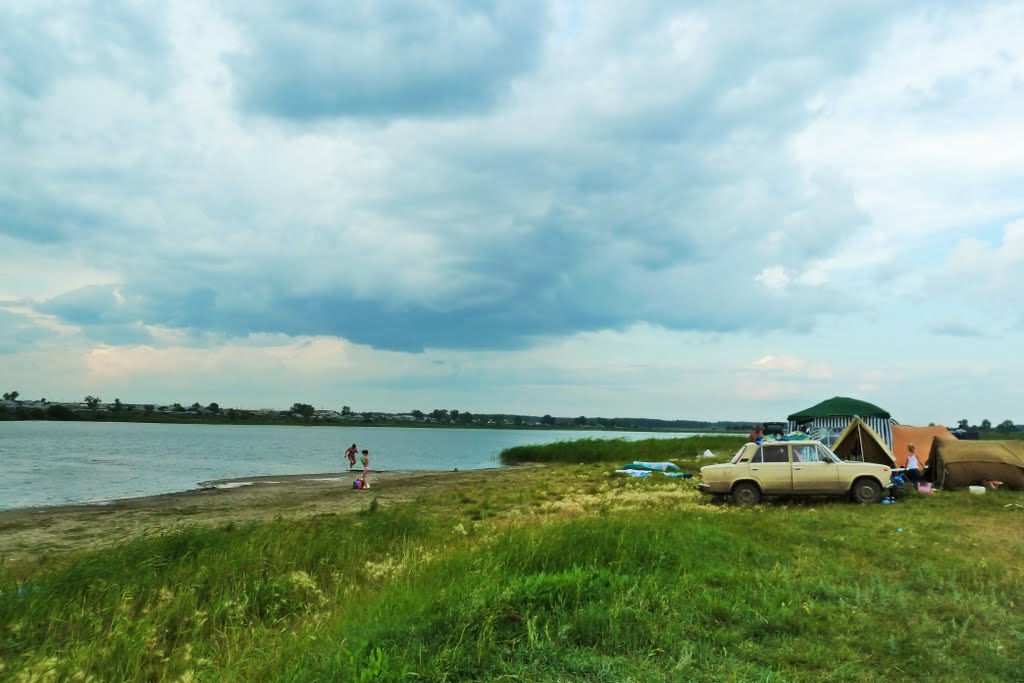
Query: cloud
x: 792, y: 365
x: 955, y: 327
x: 20, y: 333
x: 273, y: 355
x: 462, y: 182
x: 927, y: 132
x: 985, y: 273
x: 364, y: 59
x: 48, y: 223
x: 782, y: 363
x: 650, y: 183
x: 774, y: 277
x: 45, y: 42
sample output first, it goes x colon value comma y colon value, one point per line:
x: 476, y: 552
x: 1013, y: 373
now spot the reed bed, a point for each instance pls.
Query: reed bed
x: 623, y: 451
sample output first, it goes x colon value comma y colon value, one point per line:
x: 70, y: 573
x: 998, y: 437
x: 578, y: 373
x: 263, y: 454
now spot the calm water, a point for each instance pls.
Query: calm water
x: 55, y: 463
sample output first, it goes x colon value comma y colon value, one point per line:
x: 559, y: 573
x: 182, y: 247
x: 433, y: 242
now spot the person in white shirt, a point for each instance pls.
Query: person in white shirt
x: 913, y: 465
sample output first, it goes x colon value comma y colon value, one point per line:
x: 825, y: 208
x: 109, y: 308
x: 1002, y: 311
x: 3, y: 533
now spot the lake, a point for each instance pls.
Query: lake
x: 58, y: 463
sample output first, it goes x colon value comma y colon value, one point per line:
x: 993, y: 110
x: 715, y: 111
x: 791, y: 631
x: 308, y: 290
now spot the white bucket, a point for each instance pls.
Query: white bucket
x: 977, y: 489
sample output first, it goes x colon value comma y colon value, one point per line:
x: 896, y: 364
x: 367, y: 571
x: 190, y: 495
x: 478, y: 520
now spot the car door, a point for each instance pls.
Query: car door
x: 771, y: 469
x: 813, y: 470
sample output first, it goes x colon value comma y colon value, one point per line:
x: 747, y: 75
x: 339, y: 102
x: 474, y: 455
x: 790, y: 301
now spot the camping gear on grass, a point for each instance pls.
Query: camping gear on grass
x: 644, y: 469
x: 652, y: 466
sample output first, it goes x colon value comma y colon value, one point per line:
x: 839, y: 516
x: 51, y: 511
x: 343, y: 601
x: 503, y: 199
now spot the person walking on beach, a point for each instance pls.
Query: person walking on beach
x: 366, y: 465
x: 350, y: 453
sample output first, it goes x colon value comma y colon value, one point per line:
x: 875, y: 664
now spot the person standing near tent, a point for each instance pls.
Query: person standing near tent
x: 350, y: 453
x: 913, y: 465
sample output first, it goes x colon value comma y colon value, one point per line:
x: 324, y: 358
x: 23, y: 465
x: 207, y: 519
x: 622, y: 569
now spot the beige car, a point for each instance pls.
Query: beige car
x: 793, y: 468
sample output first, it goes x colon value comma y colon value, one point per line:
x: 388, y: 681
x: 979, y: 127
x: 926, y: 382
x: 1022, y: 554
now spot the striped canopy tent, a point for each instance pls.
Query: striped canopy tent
x: 827, y: 420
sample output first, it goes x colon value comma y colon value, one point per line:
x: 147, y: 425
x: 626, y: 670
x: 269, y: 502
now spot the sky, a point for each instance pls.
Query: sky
x: 699, y: 210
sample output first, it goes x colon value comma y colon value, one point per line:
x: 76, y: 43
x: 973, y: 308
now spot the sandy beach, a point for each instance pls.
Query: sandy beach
x: 47, y: 532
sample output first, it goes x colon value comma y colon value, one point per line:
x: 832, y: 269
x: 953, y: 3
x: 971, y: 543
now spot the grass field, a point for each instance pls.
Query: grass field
x: 565, y: 572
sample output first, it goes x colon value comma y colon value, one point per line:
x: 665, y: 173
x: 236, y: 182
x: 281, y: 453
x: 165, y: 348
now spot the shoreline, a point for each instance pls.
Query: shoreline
x: 40, y: 533
x: 230, y: 483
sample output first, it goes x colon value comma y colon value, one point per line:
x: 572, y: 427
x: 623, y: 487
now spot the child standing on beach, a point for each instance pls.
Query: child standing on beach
x: 366, y: 463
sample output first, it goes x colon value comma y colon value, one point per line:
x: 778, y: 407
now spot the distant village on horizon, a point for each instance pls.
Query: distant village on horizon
x: 94, y: 408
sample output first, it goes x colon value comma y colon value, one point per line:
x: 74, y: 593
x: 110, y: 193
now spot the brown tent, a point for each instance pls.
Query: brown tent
x: 903, y: 435
x: 956, y: 464
x: 862, y: 443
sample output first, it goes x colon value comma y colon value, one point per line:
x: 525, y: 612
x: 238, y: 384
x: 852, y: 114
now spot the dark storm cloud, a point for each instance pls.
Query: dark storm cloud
x: 88, y: 306
x: 363, y: 58
x: 619, y: 183
x: 19, y: 333
x: 44, y: 222
x: 103, y: 313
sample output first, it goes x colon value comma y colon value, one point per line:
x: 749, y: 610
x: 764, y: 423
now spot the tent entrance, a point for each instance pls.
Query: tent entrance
x: 860, y: 443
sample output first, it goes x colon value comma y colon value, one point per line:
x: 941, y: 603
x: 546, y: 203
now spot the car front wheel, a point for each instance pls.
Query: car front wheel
x: 746, y: 494
x: 866, y: 491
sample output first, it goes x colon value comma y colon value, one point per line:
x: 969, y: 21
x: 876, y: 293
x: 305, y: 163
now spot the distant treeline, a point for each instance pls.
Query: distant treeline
x: 302, y: 413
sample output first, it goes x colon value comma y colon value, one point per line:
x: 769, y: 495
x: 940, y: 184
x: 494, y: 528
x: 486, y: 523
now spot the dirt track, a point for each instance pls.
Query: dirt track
x: 34, y: 533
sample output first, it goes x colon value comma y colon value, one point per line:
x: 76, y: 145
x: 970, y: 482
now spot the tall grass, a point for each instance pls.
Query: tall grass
x: 169, y: 604
x: 622, y: 450
x: 776, y: 594
x: 605, y: 580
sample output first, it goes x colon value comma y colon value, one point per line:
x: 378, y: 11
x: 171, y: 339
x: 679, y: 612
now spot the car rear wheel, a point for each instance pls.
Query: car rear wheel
x: 746, y: 494
x: 866, y: 491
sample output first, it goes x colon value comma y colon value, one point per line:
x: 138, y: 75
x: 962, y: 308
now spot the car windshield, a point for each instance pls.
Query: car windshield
x: 739, y: 454
x: 825, y: 455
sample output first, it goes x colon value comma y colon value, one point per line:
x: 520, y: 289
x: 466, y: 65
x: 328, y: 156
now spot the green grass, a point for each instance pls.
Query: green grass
x: 563, y: 573
x: 624, y: 451
x: 1001, y: 436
